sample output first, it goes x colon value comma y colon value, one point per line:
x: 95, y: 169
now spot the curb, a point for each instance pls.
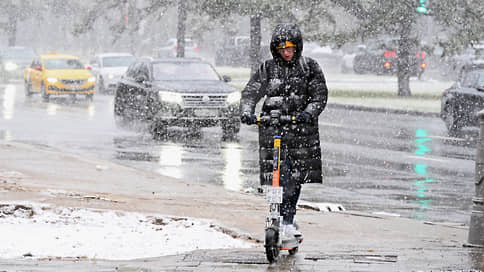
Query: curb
x: 384, y: 110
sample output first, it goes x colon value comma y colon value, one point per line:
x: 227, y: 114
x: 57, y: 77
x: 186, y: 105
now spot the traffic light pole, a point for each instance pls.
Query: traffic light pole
x: 475, y: 225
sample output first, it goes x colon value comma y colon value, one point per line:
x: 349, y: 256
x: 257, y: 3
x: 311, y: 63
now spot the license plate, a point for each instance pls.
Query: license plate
x: 206, y: 112
x: 274, y: 194
x: 74, y: 87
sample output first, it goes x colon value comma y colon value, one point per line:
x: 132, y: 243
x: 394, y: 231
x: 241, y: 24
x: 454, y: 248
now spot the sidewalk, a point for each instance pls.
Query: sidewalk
x: 342, y: 241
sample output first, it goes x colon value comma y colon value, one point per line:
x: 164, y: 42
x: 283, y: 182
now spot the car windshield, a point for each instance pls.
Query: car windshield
x: 118, y: 61
x: 63, y: 64
x: 479, y: 53
x: 188, y: 43
x: 18, y: 53
x: 184, y: 71
x: 480, y: 79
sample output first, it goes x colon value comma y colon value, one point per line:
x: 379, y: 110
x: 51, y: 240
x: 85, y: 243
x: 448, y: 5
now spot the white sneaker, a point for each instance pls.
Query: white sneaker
x: 290, y: 231
x: 290, y: 236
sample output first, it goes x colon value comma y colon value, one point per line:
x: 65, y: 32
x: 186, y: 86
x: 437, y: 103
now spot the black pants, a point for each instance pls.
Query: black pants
x: 292, y: 190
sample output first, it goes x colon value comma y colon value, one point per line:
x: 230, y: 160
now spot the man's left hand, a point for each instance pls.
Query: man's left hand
x: 303, y: 117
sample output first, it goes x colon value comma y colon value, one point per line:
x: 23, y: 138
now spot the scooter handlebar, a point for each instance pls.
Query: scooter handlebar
x: 276, y: 120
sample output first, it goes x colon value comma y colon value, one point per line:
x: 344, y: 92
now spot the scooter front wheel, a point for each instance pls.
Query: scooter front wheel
x: 293, y: 250
x: 271, y: 244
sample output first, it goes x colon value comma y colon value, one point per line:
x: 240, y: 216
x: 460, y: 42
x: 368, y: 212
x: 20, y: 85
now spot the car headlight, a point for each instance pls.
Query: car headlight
x: 110, y: 76
x: 233, y: 97
x: 10, y: 66
x: 170, y: 97
x: 91, y: 79
x: 52, y: 80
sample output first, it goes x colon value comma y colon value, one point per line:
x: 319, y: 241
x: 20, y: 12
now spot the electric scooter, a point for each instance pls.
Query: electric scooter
x: 273, y: 231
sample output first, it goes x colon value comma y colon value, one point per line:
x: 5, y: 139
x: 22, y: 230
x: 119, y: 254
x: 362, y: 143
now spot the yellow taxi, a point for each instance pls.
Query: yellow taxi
x: 57, y: 74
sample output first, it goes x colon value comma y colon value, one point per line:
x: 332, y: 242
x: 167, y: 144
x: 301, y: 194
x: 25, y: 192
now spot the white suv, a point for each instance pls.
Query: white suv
x: 108, y: 69
x: 192, y: 50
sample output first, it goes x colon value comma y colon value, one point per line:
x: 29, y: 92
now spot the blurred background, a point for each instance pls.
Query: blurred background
x: 344, y: 36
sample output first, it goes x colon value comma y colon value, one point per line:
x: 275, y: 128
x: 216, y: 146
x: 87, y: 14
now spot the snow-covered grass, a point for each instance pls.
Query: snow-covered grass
x: 368, y: 90
x: 384, y: 84
x: 39, y: 231
x: 402, y: 103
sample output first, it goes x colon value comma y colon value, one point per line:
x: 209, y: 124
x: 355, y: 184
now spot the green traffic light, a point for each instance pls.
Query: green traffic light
x: 422, y: 9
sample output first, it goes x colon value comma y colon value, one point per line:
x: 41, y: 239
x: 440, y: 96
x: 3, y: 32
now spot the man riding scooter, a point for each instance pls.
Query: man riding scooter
x: 293, y: 85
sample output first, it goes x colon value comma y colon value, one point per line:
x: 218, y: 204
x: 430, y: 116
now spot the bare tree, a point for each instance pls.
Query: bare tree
x: 14, y: 11
x: 181, y: 25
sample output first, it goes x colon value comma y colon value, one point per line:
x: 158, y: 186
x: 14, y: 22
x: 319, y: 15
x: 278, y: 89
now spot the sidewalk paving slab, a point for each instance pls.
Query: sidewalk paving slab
x: 343, y: 241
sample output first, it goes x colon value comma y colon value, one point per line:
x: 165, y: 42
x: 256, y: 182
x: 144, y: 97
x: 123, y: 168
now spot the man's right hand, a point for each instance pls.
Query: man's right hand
x: 248, y: 118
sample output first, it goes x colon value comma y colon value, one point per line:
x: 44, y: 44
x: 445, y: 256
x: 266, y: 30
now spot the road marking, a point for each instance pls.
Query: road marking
x: 330, y: 124
x: 426, y: 158
x: 447, y: 138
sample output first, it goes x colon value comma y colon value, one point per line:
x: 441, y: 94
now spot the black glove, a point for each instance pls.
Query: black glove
x: 248, y: 118
x: 303, y: 117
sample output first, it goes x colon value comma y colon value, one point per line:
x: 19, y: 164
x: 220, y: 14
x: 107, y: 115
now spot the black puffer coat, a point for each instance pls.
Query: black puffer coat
x: 290, y: 87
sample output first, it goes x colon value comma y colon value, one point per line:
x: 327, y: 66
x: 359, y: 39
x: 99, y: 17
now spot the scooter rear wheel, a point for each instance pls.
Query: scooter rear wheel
x: 272, y: 248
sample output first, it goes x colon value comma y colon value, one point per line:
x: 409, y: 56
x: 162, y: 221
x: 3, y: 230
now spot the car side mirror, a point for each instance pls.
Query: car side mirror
x: 226, y: 78
x: 140, y: 78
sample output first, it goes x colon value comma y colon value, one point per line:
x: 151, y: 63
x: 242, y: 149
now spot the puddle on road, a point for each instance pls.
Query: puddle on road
x: 135, y: 156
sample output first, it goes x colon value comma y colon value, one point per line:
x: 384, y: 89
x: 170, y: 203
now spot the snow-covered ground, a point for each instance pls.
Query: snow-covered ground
x: 39, y: 231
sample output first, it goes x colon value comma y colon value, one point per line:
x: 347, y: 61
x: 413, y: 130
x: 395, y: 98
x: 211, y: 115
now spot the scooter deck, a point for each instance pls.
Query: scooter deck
x: 286, y: 247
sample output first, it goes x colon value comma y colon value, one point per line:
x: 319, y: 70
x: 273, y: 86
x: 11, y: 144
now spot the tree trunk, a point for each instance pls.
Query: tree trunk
x: 12, y: 29
x: 255, y: 40
x: 131, y: 21
x: 180, y: 34
x: 404, y: 45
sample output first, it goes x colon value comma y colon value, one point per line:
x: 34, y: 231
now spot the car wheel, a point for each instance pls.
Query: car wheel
x: 100, y: 85
x: 451, y: 120
x: 358, y: 66
x: 28, y: 89
x: 89, y: 97
x: 121, y: 121
x: 44, y: 94
x: 419, y: 75
x: 119, y: 114
x: 345, y: 69
x: 158, y: 130
x: 230, y: 128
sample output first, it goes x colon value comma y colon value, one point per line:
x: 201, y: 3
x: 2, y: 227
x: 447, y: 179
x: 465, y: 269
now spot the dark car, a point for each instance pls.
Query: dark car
x: 13, y: 61
x: 235, y: 51
x: 461, y: 102
x: 180, y: 92
x: 451, y: 65
x: 380, y: 57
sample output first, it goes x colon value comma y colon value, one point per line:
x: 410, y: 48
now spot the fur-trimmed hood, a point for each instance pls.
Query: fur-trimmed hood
x: 286, y: 32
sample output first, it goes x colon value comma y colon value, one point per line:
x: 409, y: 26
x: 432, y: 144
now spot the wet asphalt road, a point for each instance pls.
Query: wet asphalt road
x: 373, y: 162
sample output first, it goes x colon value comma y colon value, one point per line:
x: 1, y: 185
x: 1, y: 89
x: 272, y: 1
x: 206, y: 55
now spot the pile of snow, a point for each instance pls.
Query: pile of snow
x: 39, y: 231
